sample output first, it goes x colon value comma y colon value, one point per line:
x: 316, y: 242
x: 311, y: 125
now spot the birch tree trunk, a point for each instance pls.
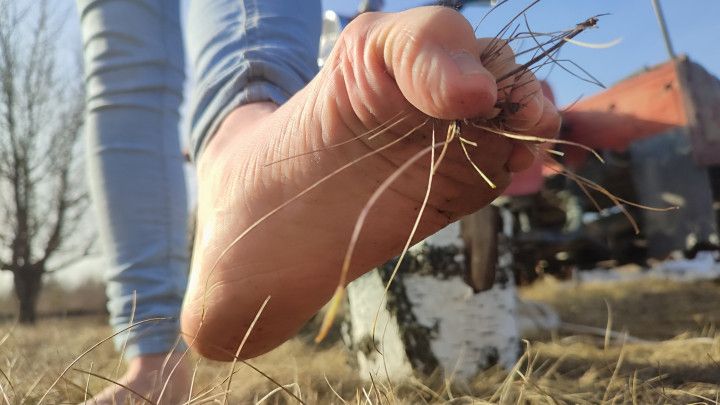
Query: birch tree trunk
x: 442, y: 312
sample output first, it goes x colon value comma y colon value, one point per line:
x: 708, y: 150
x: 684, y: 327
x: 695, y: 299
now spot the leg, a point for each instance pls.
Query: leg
x: 134, y: 68
x: 419, y: 63
x: 243, y: 52
x: 246, y: 54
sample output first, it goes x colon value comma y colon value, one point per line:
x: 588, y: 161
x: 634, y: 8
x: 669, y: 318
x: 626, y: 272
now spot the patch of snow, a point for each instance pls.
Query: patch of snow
x: 535, y: 316
x: 704, y: 266
x: 450, y: 235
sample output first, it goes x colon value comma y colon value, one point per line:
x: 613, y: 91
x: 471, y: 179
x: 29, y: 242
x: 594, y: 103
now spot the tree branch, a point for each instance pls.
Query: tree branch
x: 5, y: 267
x: 55, y: 239
x: 37, y: 153
x: 74, y: 259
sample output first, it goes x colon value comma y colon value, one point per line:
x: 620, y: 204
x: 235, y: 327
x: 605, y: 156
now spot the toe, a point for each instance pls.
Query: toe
x: 433, y: 57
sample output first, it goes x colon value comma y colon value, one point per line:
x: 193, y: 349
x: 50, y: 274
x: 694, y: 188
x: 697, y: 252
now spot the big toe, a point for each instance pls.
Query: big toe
x: 427, y: 57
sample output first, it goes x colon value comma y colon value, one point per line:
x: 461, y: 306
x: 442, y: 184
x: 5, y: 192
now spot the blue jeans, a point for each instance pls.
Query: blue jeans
x: 239, y: 52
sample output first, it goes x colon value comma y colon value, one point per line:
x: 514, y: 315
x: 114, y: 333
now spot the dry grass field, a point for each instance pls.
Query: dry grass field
x: 671, y: 355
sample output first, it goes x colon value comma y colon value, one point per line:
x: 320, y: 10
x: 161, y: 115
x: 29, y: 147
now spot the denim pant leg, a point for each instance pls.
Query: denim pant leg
x: 134, y: 67
x: 247, y: 51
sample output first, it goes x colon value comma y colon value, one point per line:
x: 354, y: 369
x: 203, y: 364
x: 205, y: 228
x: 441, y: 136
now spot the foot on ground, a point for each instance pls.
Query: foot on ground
x: 146, y: 376
x: 416, y: 64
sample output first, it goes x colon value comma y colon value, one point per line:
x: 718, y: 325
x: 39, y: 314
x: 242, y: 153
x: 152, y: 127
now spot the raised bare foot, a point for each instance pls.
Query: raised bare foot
x: 147, y: 375
x: 412, y: 65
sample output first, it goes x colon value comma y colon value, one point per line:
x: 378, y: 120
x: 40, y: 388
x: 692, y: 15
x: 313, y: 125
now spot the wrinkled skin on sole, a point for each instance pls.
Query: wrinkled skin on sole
x: 403, y: 75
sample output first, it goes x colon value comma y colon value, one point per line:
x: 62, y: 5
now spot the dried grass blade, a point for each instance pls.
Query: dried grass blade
x: 133, y: 308
x: 192, y: 381
x: 242, y: 343
x: 537, y: 139
x: 7, y: 335
x: 590, y: 22
x: 274, y: 391
x: 32, y: 387
x: 287, y: 391
x: 10, y: 384
x: 603, y: 45
x: 4, y: 395
x: 452, y: 131
x: 614, y: 374
x: 290, y: 201
x: 93, y: 347
x: 426, y: 197
x: 110, y: 380
x: 507, y: 26
x: 608, y: 326
x: 174, y: 368
x: 371, y: 134
x: 87, y: 385
x: 342, y: 282
x: 332, y: 389
x: 477, y: 169
x: 550, y: 55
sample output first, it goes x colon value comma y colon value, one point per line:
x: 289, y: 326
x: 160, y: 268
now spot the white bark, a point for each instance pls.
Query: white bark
x: 433, y: 318
x: 471, y: 331
x: 386, y: 352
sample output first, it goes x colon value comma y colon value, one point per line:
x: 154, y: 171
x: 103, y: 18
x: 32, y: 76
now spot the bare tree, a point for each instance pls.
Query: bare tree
x: 42, y: 198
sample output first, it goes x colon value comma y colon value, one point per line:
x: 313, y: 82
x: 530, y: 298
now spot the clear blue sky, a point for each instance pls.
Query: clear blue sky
x: 694, y: 27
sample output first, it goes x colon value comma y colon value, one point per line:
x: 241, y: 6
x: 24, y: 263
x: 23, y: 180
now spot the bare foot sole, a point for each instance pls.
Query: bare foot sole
x: 149, y: 376
x: 390, y: 72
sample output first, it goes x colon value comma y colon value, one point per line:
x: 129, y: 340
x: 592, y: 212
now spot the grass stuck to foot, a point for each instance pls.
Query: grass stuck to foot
x: 664, y: 350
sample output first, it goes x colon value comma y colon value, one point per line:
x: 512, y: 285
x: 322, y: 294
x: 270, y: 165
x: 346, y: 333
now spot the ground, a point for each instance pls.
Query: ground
x: 671, y: 355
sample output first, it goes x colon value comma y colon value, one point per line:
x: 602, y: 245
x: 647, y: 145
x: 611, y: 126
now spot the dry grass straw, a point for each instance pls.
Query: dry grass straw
x: 559, y: 369
x: 606, y: 374
x: 517, y: 76
x: 544, y: 52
